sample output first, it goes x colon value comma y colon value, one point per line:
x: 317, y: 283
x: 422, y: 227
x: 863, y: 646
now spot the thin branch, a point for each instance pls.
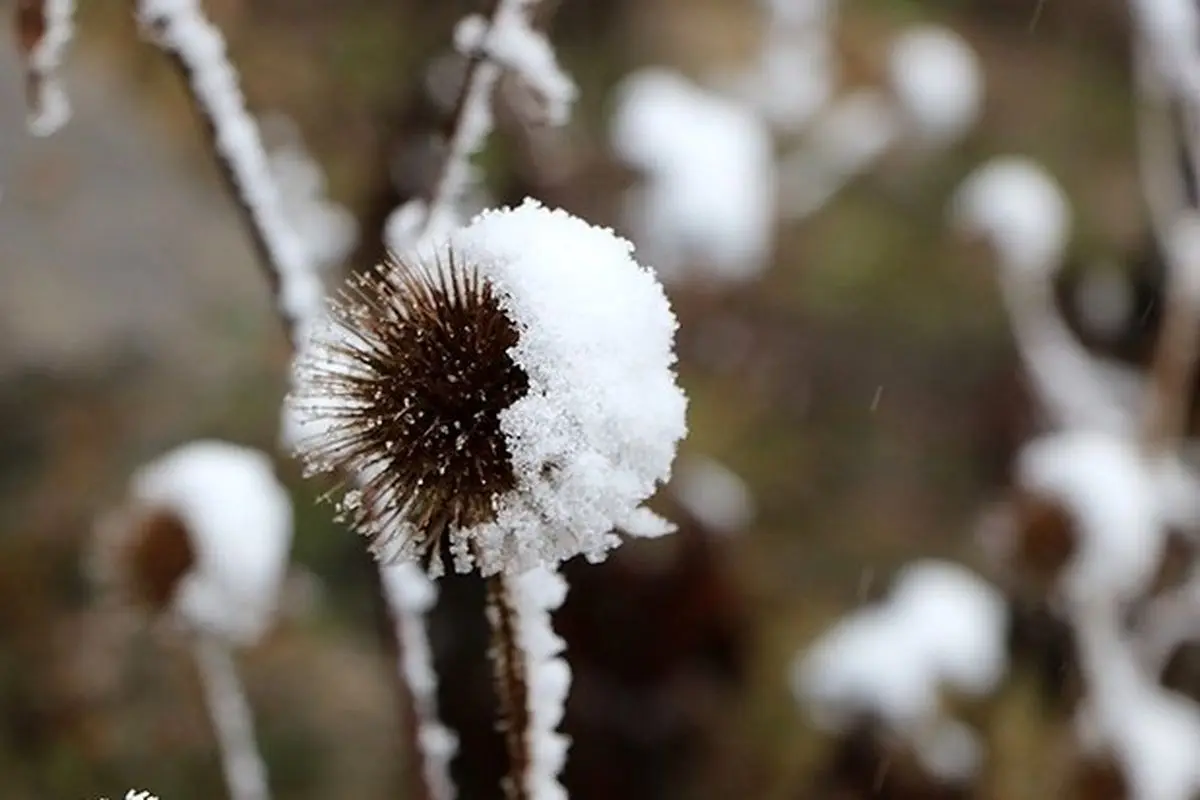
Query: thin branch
x: 410, y: 595
x: 197, y: 50
x: 512, y: 685
x: 245, y: 773
x: 1173, y: 372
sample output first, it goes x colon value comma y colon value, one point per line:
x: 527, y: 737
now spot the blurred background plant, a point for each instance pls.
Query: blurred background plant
x: 855, y: 396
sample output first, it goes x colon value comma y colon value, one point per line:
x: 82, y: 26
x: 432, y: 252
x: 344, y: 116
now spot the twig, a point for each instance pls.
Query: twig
x: 197, y: 50
x: 1173, y: 371
x: 512, y: 685
x: 232, y: 720
x: 410, y: 594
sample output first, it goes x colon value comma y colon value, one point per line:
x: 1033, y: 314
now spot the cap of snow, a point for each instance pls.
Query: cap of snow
x: 713, y: 494
x: 839, y: 679
x: 942, y: 628
x: 1020, y: 209
x: 938, y: 81
x: 958, y: 619
x: 597, y: 430
x: 1113, y: 496
x: 239, y: 518
x: 708, y: 200
x: 593, y: 431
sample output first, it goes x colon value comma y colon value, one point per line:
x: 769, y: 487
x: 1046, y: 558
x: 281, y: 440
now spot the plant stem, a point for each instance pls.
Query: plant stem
x: 512, y: 685
x: 245, y: 772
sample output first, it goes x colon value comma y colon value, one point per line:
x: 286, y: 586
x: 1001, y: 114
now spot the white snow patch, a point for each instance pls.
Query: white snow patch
x: 943, y: 628
x: 708, y: 198
x: 938, y: 81
x: 1113, y: 496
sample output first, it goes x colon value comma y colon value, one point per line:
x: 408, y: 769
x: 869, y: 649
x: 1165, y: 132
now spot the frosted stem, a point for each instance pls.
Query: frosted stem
x: 245, y: 773
x: 197, y: 50
x: 532, y: 680
x: 410, y: 594
x: 472, y: 122
x: 512, y: 685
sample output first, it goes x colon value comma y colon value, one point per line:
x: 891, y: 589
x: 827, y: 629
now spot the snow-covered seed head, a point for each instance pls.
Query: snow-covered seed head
x: 937, y: 79
x: 203, y: 536
x: 1020, y: 210
x: 424, y: 370
x: 507, y: 394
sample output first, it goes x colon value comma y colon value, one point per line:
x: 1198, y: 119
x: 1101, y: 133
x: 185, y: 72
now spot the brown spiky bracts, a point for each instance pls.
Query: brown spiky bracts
x: 419, y: 359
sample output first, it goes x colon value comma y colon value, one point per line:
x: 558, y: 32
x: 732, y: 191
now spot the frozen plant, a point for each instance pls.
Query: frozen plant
x: 1013, y: 205
x: 509, y: 394
x: 504, y: 43
x: 508, y: 398
x: 941, y: 629
x: 705, y: 208
x: 197, y: 49
x: 204, y: 539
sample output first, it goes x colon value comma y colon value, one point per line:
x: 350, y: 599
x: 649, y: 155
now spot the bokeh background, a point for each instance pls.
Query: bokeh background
x: 865, y: 388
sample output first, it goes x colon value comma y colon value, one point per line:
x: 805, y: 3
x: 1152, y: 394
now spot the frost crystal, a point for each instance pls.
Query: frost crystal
x: 508, y: 393
x: 238, y: 520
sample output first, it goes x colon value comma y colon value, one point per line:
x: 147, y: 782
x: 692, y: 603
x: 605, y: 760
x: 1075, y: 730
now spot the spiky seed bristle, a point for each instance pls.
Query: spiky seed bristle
x: 421, y: 377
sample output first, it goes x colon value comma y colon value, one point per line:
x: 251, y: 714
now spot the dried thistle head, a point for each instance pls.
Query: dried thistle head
x: 508, y: 395
x: 202, y: 537
x: 423, y: 373
x: 144, y: 554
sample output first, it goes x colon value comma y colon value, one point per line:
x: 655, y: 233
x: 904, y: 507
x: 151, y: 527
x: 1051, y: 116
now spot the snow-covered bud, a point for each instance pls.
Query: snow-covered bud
x: 508, y: 394
x: 937, y: 79
x: 1014, y: 204
x: 204, y: 535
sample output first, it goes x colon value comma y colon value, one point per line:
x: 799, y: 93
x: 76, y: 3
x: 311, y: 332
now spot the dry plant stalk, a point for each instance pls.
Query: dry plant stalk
x: 512, y: 685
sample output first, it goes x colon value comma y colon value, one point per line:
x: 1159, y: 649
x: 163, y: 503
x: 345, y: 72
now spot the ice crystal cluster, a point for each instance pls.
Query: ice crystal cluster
x: 506, y: 395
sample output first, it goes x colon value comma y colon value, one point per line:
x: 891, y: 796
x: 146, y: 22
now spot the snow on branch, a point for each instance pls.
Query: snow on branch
x: 410, y: 595
x: 197, y: 49
x: 504, y: 41
x: 44, y: 29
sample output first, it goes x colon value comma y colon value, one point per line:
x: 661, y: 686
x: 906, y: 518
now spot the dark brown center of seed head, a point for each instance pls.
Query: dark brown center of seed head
x: 1047, y: 538
x: 437, y: 374
x: 159, y: 554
